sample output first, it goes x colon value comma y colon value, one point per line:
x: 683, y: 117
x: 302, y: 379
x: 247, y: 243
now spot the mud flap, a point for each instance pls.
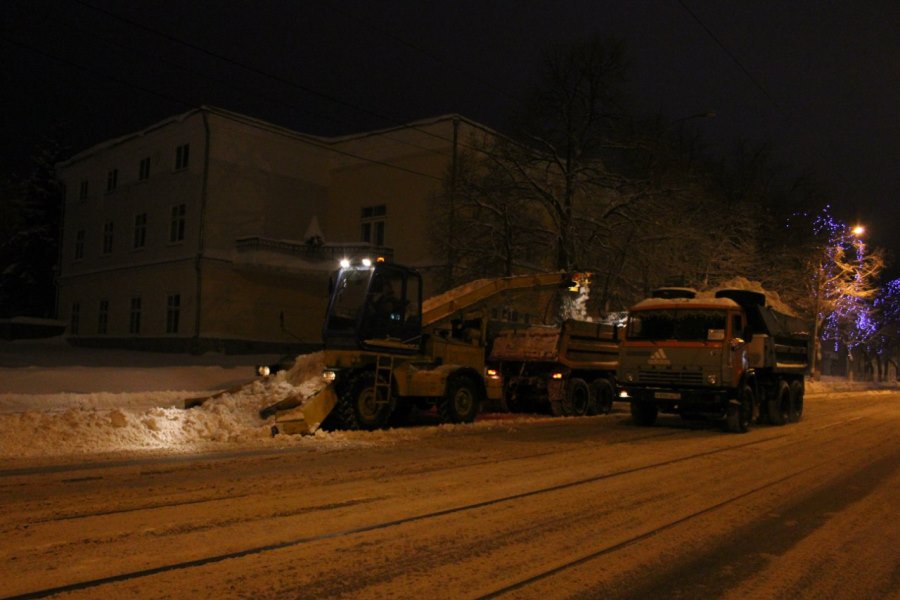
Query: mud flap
x: 305, y: 418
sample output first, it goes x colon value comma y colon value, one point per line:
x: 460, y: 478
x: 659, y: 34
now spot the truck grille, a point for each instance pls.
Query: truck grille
x: 670, y: 377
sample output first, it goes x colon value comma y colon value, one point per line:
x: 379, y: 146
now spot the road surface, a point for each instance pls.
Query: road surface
x: 552, y: 508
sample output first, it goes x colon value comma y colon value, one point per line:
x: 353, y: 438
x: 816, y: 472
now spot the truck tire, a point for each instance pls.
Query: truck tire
x: 643, y: 413
x: 360, y: 408
x: 779, y: 405
x: 796, y: 400
x: 740, y: 411
x: 602, y: 394
x: 460, y: 402
x: 577, y: 398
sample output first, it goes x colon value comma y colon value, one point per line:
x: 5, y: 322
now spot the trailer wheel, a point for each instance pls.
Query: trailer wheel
x: 362, y: 408
x: 796, y: 400
x: 740, y: 411
x: 643, y: 413
x: 779, y: 406
x: 460, y: 403
x: 577, y: 399
x: 602, y: 396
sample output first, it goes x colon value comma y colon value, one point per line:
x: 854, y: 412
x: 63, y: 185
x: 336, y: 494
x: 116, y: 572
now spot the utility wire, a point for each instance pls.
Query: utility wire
x: 228, y: 83
x: 409, y: 45
x: 180, y: 101
x: 256, y: 70
x: 743, y: 69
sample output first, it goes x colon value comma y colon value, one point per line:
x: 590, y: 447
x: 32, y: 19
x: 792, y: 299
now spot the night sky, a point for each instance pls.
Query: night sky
x: 819, y: 79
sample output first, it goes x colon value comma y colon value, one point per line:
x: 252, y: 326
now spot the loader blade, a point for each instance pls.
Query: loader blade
x: 307, y: 418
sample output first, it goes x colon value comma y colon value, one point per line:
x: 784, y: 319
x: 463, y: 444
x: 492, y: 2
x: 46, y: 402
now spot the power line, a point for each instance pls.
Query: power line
x: 740, y: 65
x: 256, y: 70
x: 307, y: 140
x: 411, y: 46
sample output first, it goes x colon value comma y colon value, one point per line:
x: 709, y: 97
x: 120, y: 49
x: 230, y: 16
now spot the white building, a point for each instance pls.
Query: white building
x: 213, y: 230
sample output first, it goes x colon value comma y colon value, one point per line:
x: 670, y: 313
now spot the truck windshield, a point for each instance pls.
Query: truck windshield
x: 681, y: 324
x: 348, y: 299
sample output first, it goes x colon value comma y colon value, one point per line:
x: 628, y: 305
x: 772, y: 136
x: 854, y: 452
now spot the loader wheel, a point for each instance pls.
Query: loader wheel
x: 740, y: 412
x: 796, y: 400
x: 460, y: 403
x: 643, y: 413
x: 362, y: 408
x: 577, y: 399
x: 602, y: 397
x: 779, y: 406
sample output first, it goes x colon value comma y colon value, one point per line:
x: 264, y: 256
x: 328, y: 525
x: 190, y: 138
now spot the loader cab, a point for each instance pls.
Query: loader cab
x: 374, y: 307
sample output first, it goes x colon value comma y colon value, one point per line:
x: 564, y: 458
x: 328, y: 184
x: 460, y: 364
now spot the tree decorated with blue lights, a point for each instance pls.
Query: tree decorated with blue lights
x: 843, y: 284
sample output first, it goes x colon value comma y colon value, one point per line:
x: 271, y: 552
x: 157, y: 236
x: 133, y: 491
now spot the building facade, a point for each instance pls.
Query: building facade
x: 216, y: 231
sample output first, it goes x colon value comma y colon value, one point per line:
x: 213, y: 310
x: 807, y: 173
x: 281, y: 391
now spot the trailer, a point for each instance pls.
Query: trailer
x: 568, y: 370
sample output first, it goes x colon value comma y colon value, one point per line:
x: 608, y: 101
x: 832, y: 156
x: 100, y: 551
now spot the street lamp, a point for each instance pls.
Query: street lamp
x: 858, y: 230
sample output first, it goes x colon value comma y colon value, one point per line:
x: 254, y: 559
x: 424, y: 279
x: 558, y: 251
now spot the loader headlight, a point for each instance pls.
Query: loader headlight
x: 263, y: 370
x: 367, y: 262
x: 329, y: 376
x: 345, y: 263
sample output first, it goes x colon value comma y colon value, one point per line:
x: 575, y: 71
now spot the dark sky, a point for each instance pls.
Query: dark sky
x: 820, y: 79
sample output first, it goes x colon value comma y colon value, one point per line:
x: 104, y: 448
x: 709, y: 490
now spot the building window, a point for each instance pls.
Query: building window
x: 79, y: 244
x: 372, y: 224
x: 107, y: 237
x: 112, y: 179
x: 140, y: 230
x: 173, y: 312
x: 144, y: 169
x: 83, y: 190
x: 75, y: 318
x: 182, y: 153
x: 176, y: 228
x: 103, y: 317
x: 134, y: 322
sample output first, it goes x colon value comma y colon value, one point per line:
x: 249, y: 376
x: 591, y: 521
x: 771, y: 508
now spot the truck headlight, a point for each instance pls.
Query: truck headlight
x: 711, y: 379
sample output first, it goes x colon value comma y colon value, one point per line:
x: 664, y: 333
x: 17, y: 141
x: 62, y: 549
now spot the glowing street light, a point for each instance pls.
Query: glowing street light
x: 858, y: 230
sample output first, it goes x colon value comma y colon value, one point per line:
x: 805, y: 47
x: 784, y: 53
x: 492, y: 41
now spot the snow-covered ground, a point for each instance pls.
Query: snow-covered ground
x: 59, y: 401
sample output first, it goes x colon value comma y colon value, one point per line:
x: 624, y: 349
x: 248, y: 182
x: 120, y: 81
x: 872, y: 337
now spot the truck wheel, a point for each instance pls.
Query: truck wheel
x: 779, y: 406
x: 602, y: 396
x: 643, y: 413
x: 361, y: 408
x: 796, y: 400
x: 460, y: 403
x: 578, y: 398
x: 740, y: 411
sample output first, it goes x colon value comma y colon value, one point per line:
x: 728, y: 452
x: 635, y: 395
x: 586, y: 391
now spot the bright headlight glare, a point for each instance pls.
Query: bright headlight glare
x: 329, y: 375
x: 345, y: 263
x: 367, y: 262
x: 263, y: 370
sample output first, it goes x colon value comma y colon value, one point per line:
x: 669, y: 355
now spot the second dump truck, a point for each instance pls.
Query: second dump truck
x: 729, y: 356
x: 569, y: 370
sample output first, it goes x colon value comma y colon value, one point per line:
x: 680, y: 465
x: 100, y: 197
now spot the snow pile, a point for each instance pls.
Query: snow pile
x: 576, y: 308
x: 742, y: 283
x: 97, y: 423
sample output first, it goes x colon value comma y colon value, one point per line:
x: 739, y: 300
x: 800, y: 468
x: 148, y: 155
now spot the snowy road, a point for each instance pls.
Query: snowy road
x: 550, y: 508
